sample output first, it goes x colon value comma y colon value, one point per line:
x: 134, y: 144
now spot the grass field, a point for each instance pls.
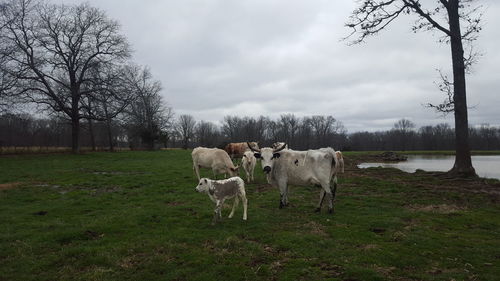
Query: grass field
x: 136, y: 216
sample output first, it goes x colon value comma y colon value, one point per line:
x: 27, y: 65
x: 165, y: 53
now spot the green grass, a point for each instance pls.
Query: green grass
x: 136, y: 216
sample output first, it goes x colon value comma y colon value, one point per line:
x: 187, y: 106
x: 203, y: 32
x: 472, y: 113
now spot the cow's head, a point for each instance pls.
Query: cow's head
x: 267, y: 155
x: 203, y: 185
x: 233, y: 171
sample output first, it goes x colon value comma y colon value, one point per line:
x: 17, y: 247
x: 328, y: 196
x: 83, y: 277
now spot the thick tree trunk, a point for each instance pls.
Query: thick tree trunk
x: 463, y: 162
x: 110, y: 135
x: 91, y: 133
x: 75, y: 120
x: 108, y: 128
x: 75, y: 133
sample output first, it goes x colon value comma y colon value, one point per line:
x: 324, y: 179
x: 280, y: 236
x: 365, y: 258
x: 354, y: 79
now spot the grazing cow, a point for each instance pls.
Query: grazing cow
x: 215, y: 159
x: 312, y: 167
x: 236, y: 149
x: 248, y: 164
x: 341, y: 161
x: 220, y: 190
x: 276, y: 145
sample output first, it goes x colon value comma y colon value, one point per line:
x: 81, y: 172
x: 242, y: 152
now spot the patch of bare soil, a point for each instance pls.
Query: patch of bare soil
x: 316, y: 228
x: 439, y: 209
x: 368, y: 247
x: 262, y: 188
x: 9, y: 185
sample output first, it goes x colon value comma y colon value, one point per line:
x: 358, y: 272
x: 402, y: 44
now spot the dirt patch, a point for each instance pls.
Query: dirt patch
x: 262, y: 188
x: 368, y: 247
x: 316, y: 228
x: 439, y: 209
x: 174, y: 203
x: 9, y: 185
x: 386, y: 271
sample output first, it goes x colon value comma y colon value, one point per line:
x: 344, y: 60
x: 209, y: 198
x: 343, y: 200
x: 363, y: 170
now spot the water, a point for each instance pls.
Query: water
x: 486, y: 166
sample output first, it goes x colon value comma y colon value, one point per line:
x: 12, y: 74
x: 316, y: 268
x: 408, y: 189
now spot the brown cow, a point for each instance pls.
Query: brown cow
x: 236, y: 149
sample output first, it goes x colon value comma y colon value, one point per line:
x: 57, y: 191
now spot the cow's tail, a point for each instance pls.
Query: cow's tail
x: 335, y: 163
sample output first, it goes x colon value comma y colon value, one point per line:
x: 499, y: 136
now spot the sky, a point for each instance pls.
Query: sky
x: 269, y: 57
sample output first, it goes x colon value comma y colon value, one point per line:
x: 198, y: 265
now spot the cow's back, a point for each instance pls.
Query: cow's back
x: 204, y: 157
x: 303, y: 167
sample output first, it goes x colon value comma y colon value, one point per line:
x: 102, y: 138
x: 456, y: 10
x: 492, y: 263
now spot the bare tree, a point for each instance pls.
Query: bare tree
x: 186, y: 128
x: 207, y: 134
x: 446, y: 16
x: 403, y: 130
x: 51, y: 48
x: 147, y: 115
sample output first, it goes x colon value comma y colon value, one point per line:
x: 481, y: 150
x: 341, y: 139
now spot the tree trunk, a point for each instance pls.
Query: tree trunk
x: 463, y: 162
x: 75, y: 133
x: 75, y: 120
x: 108, y: 128
x: 91, y: 132
x: 110, y: 136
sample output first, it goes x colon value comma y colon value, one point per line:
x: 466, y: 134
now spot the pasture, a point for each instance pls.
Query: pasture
x: 136, y: 216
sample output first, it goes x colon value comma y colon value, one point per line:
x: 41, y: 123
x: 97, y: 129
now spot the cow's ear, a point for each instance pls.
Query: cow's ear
x: 257, y: 155
x: 276, y: 155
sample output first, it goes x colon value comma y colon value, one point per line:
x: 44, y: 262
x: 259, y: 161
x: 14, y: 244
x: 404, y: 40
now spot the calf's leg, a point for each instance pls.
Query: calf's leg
x: 245, y: 205
x: 235, y: 204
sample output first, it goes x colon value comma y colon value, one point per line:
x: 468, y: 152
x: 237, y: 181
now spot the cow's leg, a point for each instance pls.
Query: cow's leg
x: 282, y: 187
x: 235, y: 204
x: 245, y: 205
x: 217, y: 211
x: 196, y: 171
x: 248, y: 174
x: 286, y: 195
x: 328, y: 191
x: 322, y: 194
x: 334, y: 189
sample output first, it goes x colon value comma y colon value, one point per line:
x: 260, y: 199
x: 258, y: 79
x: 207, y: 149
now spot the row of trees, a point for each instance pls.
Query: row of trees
x: 185, y: 132
x: 72, y: 62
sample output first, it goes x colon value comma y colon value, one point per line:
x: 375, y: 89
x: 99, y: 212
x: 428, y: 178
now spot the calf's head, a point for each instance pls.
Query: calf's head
x: 267, y: 156
x: 203, y: 185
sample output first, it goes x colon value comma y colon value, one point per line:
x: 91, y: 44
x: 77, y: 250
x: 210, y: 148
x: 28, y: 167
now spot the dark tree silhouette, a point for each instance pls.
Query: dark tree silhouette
x: 446, y: 16
x: 48, y: 50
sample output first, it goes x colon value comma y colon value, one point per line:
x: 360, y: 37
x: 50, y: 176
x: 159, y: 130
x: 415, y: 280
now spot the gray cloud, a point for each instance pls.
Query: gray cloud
x: 254, y: 58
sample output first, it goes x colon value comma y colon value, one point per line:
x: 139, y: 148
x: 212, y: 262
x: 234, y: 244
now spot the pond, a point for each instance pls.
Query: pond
x: 487, y: 166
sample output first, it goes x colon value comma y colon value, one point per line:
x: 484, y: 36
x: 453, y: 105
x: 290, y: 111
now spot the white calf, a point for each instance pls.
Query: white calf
x: 220, y: 190
x: 248, y: 164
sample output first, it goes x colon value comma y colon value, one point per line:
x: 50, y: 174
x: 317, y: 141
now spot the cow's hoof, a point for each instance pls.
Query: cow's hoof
x: 330, y: 211
x: 317, y: 210
x: 281, y: 205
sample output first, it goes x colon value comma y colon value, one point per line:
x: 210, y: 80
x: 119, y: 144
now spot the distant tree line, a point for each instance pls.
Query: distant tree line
x: 299, y: 133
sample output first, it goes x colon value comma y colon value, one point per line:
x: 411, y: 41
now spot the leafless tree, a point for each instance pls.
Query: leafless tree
x: 448, y: 17
x: 50, y: 50
x: 147, y: 115
x: 207, y: 134
x: 186, y: 128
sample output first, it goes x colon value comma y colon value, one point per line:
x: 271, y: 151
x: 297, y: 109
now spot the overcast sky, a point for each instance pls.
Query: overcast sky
x: 269, y: 57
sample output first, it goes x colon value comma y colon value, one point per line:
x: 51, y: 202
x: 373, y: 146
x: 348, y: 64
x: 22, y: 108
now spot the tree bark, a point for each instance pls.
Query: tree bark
x: 91, y: 133
x: 75, y: 133
x: 108, y: 128
x: 463, y: 162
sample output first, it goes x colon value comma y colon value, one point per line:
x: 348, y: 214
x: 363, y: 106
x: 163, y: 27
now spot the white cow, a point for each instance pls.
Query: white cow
x: 220, y: 190
x: 213, y: 158
x: 312, y: 167
x: 278, y: 144
x: 248, y: 164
